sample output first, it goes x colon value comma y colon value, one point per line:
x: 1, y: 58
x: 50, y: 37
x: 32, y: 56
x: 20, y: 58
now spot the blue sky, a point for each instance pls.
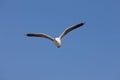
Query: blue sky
x: 91, y: 52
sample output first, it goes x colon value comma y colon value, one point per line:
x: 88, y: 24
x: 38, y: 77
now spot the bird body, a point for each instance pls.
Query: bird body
x: 57, y: 40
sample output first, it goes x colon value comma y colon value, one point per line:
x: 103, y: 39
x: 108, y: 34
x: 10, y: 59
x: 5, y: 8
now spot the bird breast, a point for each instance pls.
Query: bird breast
x: 57, y: 42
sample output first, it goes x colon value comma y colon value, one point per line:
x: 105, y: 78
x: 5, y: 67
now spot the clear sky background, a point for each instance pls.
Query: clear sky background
x: 91, y: 52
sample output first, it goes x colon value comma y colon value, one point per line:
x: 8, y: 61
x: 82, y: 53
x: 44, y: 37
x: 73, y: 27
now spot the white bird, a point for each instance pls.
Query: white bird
x: 57, y: 40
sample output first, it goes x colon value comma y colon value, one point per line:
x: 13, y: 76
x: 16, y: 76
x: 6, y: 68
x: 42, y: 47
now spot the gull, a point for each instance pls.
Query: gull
x: 56, y: 40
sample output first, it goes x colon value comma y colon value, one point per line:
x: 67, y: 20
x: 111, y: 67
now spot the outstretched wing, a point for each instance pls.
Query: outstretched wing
x: 70, y: 29
x: 40, y: 35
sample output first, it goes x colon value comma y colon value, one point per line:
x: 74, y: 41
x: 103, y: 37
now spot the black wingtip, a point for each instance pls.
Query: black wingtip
x: 27, y: 34
x: 83, y: 23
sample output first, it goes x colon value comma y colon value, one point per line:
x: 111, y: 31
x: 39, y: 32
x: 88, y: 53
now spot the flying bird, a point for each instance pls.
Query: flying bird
x: 57, y: 40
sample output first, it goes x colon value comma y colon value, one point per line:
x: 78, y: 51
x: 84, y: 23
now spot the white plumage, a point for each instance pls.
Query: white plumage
x: 56, y: 40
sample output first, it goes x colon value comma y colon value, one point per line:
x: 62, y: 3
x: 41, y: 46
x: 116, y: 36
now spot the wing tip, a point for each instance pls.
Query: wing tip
x: 28, y: 35
x: 82, y: 23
